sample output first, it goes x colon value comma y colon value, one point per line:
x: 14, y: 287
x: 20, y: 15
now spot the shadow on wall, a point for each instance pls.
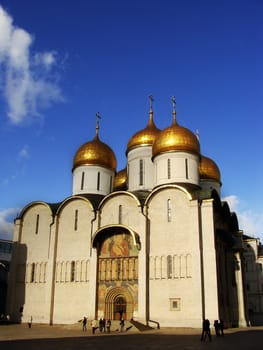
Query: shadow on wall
x: 17, y: 281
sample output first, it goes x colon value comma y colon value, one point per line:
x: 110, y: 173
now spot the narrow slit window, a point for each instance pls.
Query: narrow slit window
x: 169, y: 210
x: 37, y: 224
x: 72, y: 272
x: 82, y: 180
x: 76, y: 220
x: 33, y: 269
x: 111, y: 183
x: 186, y: 168
x: 169, y: 266
x: 141, y: 173
x: 120, y: 214
x: 98, y: 181
x: 169, y: 168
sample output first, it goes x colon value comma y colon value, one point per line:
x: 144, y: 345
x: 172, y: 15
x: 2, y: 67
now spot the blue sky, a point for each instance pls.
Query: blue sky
x: 62, y: 62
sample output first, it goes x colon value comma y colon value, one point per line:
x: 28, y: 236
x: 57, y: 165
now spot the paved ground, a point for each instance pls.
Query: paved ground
x: 43, y: 337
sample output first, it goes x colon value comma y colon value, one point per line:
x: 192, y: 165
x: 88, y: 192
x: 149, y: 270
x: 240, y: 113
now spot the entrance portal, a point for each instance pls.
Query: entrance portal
x: 117, y: 279
x: 119, y: 303
x: 119, y: 307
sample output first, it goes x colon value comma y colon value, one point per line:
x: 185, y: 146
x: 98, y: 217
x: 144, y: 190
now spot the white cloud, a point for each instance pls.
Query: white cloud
x: 232, y: 201
x: 27, y: 81
x: 250, y: 222
x: 7, y: 217
x: 24, y: 152
x: 47, y: 59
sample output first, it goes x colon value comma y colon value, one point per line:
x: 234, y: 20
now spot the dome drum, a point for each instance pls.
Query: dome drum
x: 179, y: 167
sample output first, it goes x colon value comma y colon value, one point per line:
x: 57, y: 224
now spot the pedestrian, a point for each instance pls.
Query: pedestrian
x: 206, y: 330
x: 30, y: 322
x: 108, y: 325
x: 217, y: 328
x: 221, y: 327
x: 104, y: 325
x: 93, y: 326
x: 101, y: 325
x: 122, y: 325
x: 84, y: 324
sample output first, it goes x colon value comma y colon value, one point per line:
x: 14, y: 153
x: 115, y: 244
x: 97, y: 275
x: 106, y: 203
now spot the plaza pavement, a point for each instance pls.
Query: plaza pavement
x: 44, y: 337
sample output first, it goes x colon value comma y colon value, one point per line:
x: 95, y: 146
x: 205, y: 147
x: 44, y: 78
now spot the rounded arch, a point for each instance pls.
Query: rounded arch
x: 160, y: 188
x: 118, y: 193
x: 110, y: 229
x: 73, y: 198
x: 234, y: 222
x: 118, y: 304
x: 32, y: 204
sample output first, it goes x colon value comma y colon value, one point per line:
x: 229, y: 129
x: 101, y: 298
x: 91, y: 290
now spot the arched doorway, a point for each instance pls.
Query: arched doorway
x: 119, y: 303
x: 119, y: 308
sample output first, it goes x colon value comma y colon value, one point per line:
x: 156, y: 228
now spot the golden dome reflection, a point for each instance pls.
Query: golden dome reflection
x: 208, y: 170
x: 120, y: 180
x: 145, y: 137
x: 95, y: 152
x: 176, y: 138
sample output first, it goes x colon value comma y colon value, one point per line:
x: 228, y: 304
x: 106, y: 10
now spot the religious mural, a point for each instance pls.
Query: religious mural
x: 118, y: 245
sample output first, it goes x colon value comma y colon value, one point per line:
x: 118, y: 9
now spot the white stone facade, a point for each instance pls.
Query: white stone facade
x: 163, y: 251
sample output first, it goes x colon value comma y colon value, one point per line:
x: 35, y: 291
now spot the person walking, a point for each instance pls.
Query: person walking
x: 221, y: 327
x: 84, y: 324
x: 217, y: 328
x: 122, y: 325
x: 108, y: 325
x: 206, y: 330
x: 93, y: 326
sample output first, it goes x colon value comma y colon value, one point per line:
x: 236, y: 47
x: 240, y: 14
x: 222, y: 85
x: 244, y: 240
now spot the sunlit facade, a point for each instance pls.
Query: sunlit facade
x: 152, y: 242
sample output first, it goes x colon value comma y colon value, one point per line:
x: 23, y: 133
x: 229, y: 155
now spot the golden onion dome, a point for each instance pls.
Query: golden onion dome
x: 176, y: 138
x: 120, y: 180
x: 95, y: 152
x: 145, y: 137
x: 208, y: 170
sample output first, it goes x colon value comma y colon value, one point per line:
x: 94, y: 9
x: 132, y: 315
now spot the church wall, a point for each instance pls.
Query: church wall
x: 31, y: 261
x: 72, y: 301
x: 74, y: 230
x: 209, y: 261
x: 72, y: 262
x: 36, y: 231
x: 175, y: 278
x: 129, y: 214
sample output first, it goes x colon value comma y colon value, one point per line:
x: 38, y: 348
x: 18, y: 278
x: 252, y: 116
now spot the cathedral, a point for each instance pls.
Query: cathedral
x: 152, y: 242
